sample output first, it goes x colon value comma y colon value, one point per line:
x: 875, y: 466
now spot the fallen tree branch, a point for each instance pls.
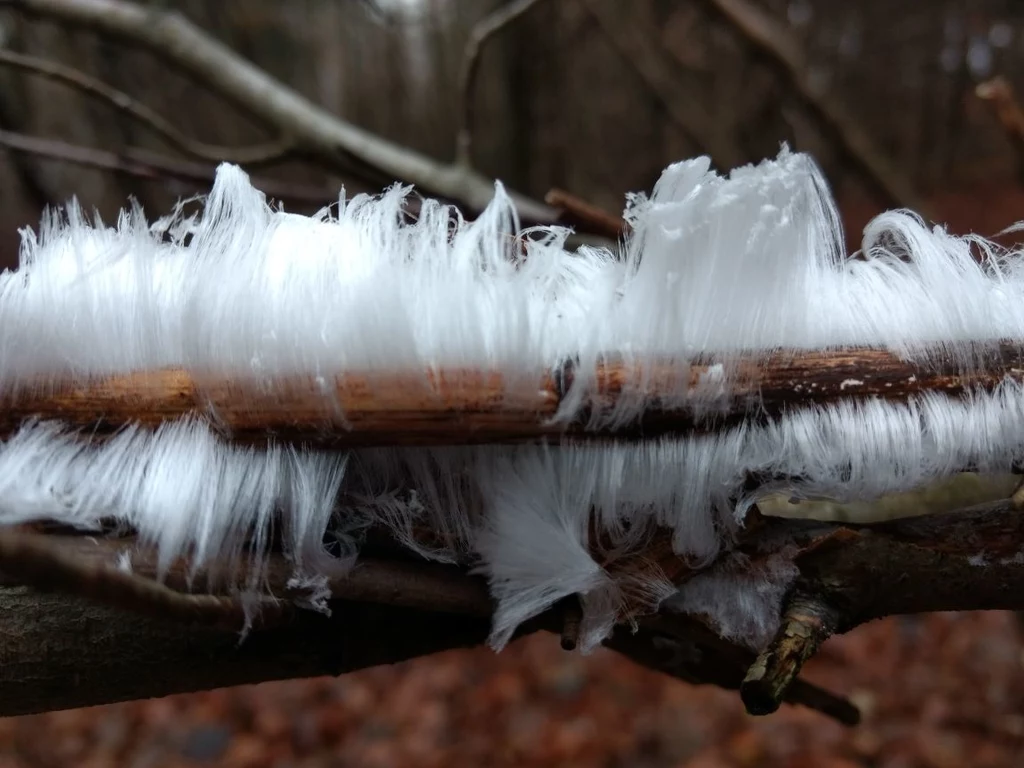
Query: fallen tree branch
x: 259, y: 154
x: 472, y: 407
x: 773, y: 40
x: 405, y: 591
x: 327, y: 137
x: 387, y: 611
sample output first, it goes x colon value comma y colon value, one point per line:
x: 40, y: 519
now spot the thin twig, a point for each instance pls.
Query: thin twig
x: 260, y: 154
x: 806, y: 624
x: 578, y: 212
x: 333, y: 141
x: 683, y: 647
x: 456, y: 406
x: 422, y: 586
x: 35, y: 561
x: 142, y: 164
x: 480, y: 34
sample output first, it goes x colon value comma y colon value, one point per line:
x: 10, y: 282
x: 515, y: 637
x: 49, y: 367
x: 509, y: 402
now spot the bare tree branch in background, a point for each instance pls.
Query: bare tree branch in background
x: 326, y: 137
x: 143, y: 164
x: 255, y: 155
x: 480, y: 34
x: 775, y: 41
x: 639, y: 47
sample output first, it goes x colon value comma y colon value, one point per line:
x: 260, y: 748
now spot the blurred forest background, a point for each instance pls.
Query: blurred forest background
x: 593, y: 102
x: 594, y: 97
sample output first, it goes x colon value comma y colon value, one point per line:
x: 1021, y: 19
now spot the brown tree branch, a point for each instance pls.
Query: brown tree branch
x: 327, y: 137
x: 467, y: 407
x: 478, y: 37
x: 576, y: 212
x: 61, y: 652
x: 448, y: 594
x: 806, y: 624
x: 142, y: 164
x: 37, y: 560
x: 389, y: 611
x: 255, y: 155
x: 685, y: 648
x: 773, y: 40
x: 86, y: 566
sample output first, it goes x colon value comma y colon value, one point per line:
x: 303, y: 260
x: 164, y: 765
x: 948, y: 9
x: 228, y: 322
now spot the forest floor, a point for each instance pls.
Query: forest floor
x: 939, y: 691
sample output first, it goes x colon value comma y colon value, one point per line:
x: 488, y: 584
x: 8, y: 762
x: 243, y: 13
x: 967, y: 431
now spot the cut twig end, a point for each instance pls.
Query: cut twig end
x: 806, y: 624
x: 572, y: 616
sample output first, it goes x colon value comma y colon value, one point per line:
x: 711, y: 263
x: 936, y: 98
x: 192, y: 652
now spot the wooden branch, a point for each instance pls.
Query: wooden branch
x: 131, y: 637
x: 640, y: 48
x: 471, y: 407
x: 142, y: 164
x: 771, y: 38
x: 478, y: 37
x: 686, y: 649
x: 41, y: 562
x: 806, y: 624
x: 59, y: 652
x: 75, y: 78
x: 458, y: 606
x: 330, y: 139
x: 974, y: 558
x: 575, y: 211
x: 433, y: 587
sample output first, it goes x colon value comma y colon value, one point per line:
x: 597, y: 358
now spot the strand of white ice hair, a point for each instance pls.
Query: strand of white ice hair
x: 183, y: 490
x: 523, y: 514
x: 716, y: 264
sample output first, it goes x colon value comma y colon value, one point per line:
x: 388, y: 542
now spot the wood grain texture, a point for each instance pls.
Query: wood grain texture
x: 472, y: 407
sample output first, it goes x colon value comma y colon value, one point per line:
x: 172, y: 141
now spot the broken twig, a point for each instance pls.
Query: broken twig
x: 806, y: 624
